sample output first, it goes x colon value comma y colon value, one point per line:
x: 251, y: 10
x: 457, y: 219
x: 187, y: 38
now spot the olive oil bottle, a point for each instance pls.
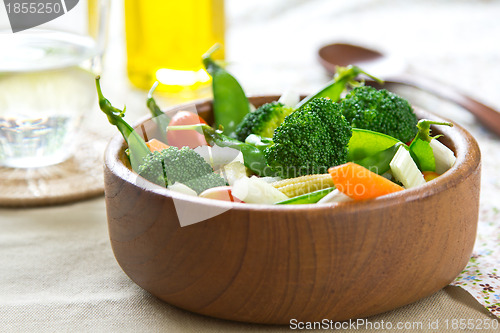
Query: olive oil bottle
x: 167, y: 38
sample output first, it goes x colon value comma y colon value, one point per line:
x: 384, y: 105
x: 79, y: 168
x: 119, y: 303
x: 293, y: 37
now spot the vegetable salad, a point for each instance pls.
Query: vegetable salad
x: 346, y: 142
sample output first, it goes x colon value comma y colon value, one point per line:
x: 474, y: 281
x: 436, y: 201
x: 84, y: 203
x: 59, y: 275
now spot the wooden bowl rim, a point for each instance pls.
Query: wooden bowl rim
x: 468, y: 159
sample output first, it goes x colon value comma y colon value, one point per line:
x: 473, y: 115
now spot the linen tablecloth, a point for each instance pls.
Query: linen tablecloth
x: 57, y: 271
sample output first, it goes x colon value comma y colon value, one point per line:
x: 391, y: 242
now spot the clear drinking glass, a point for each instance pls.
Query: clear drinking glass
x: 47, y: 78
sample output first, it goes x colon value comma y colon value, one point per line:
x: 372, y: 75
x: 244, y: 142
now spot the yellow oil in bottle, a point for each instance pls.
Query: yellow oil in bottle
x: 93, y: 17
x: 167, y: 38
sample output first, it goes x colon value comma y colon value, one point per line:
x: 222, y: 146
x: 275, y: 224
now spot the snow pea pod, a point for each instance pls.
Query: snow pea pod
x: 420, y: 148
x: 380, y: 161
x: 308, y: 198
x: 423, y: 156
x: 160, y: 118
x: 344, y: 76
x: 137, y: 147
x: 230, y: 104
x: 364, y: 143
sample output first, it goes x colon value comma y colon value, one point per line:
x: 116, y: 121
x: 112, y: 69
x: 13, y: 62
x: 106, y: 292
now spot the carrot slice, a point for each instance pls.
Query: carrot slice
x: 360, y: 183
x: 156, y: 145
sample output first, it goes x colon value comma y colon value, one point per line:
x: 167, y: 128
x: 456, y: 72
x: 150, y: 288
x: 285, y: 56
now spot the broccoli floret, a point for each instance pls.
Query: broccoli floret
x: 205, y: 181
x: 182, y: 165
x: 380, y: 111
x: 310, y: 140
x: 263, y: 121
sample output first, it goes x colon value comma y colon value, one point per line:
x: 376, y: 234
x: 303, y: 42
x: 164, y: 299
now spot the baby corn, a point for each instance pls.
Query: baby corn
x: 304, y: 184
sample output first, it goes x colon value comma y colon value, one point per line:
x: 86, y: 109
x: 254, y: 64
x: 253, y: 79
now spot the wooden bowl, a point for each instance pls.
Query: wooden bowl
x: 270, y: 264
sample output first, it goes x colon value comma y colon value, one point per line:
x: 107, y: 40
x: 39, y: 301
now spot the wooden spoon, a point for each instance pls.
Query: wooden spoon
x: 340, y: 54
